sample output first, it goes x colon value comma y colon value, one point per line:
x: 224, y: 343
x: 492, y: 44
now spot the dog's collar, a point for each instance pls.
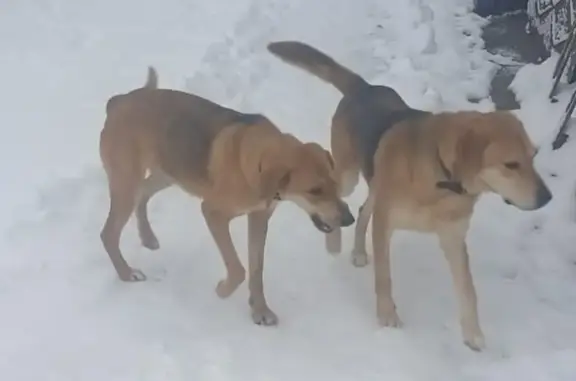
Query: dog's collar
x: 449, y: 183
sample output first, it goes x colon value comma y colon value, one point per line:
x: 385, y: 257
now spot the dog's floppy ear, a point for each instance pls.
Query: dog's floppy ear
x: 317, y: 148
x: 469, y: 157
x: 273, y: 180
x: 330, y: 159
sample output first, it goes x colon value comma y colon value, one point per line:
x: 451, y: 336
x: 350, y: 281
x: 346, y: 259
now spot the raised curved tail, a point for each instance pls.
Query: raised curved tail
x: 317, y: 63
x: 151, y: 83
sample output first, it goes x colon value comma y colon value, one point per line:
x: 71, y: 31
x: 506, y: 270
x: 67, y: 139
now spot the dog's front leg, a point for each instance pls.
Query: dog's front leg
x: 333, y: 241
x: 453, y: 242
x: 257, y: 231
x: 219, y: 226
x: 381, y: 235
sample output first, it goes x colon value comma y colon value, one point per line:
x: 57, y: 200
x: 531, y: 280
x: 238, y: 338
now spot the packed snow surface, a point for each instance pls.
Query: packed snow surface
x: 66, y: 316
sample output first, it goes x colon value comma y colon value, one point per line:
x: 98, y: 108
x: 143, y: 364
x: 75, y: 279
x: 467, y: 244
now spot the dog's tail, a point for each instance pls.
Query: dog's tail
x: 317, y: 63
x: 151, y: 83
x: 152, y: 80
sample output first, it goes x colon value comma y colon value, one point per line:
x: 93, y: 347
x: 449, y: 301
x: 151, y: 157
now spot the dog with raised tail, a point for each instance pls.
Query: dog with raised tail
x: 425, y: 172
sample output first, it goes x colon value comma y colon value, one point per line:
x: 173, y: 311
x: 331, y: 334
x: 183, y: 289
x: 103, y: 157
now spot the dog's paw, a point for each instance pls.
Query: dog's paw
x: 148, y: 238
x: 388, y: 317
x: 359, y: 259
x: 150, y: 242
x: 131, y: 275
x: 390, y: 320
x: 226, y: 287
x: 264, y: 317
x: 475, y: 342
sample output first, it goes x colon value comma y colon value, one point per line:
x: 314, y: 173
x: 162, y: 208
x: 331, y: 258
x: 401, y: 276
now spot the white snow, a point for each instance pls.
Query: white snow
x: 65, y: 316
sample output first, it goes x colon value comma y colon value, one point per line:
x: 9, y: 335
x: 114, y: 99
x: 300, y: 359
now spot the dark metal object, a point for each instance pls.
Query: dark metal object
x: 487, y: 8
x: 562, y: 136
x: 569, y: 47
x: 563, y: 62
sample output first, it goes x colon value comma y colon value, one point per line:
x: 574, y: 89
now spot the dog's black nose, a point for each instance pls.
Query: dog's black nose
x: 543, y: 196
x: 347, y: 219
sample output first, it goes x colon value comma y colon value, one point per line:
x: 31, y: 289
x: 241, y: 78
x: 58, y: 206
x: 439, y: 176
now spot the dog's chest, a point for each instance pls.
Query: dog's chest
x: 429, y: 217
x: 371, y: 129
x: 253, y: 207
x: 235, y: 200
x: 416, y: 219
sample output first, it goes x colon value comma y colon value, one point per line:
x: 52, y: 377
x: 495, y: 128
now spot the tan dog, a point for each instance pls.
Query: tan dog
x: 425, y: 173
x: 237, y: 163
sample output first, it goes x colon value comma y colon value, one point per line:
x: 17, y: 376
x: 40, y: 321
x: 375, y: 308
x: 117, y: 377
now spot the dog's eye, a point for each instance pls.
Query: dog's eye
x: 512, y: 165
x: 316, y: 191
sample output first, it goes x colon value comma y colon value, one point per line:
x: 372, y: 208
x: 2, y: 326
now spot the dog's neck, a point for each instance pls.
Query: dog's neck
x: 447, y: 177
x: 450, y: 181
x: 447, y: 180
x: 270, y: 152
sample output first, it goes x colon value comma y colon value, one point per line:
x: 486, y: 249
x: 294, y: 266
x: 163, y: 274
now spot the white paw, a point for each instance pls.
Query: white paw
x: 359, y: 259
x: 226, y: 287
x: 264, y: 317
x: 390, y: 319
x: 387, y: 315
x: 475, y: 342
x: 151, y: 243
x: 131, y: 275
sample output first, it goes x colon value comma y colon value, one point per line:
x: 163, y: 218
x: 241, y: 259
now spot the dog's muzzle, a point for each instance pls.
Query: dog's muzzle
x: 320, y: 224
x: 543, y: 196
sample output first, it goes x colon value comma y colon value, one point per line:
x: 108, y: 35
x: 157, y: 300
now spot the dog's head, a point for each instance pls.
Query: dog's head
x: 495, y: 154
x: 307, y: 179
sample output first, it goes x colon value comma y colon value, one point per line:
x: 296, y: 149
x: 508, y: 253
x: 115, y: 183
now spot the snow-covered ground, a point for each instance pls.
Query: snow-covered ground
x: 65, y: 316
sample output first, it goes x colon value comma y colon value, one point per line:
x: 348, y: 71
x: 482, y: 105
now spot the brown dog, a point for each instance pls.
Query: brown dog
x: 425, y: 173
x: 237, y: 163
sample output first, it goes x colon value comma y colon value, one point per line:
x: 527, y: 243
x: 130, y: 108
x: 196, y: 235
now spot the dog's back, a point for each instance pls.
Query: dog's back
x: 151, y: 83
x: 364, y: 113
x: 367, y: 115
x: 166, y: 129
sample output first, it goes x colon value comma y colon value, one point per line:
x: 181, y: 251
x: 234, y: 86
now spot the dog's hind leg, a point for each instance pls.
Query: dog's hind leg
x: 347, y: 173
x: 347, y: 181
x: 359, y: 254
x: 124, y: 177
x: 154, y: 183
